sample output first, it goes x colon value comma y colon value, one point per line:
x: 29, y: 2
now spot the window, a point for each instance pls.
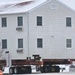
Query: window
x: 68, y: 21
x: 68, y: 43
x: 20, y: 43
x: 20, y: 21
x: 4, y: 22
x: 4, y: 44
x: 39, y: 20
x: 39, y: 43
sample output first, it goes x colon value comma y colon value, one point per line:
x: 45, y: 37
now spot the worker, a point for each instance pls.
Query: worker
x: 1, y: 72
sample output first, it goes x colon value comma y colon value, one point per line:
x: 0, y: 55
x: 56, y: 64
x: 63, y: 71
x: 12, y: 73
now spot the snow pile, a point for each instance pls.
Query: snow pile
x: 6, y: 70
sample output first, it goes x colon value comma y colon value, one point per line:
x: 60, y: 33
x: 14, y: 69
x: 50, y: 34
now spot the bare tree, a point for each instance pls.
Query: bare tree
x: 2, y: 54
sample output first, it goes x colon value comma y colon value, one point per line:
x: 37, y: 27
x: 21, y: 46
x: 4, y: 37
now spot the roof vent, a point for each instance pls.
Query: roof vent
x: 54, y: 6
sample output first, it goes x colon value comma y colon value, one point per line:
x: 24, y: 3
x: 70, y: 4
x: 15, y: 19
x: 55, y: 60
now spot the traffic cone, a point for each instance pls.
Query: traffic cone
x: 1, y: 72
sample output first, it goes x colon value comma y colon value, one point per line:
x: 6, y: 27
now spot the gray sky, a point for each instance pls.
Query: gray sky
x: 7, y: 0
x: 70, y: 3
x: 10, y: 0
x: 67, y: 1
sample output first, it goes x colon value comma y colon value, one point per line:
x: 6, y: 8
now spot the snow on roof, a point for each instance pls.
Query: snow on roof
x: 20, y: 7
x: 4, y: 7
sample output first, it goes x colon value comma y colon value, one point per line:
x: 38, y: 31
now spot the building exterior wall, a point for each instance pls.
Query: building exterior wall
x: 53, y: 32
x: 11, y: 34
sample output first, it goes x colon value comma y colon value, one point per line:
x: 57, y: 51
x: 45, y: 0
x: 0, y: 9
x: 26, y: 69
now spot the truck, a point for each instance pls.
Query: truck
x: 37, y: 65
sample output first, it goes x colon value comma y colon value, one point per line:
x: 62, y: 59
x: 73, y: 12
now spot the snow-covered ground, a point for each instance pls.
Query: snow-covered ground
x: 64, y: 70
x: 70, y: 73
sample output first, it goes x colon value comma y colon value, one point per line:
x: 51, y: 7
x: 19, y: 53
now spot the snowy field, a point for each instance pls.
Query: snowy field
x: 70, y: 73
x: 67, y: 71
x: 55, y: 74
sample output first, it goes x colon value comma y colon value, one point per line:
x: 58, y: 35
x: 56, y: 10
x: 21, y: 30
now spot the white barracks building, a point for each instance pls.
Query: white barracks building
x: 39, y: 29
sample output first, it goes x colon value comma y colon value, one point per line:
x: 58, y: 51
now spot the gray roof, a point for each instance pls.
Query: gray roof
x: 22, y: 7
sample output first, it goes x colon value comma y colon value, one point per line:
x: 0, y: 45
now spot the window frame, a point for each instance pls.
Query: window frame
x: 20, y: 20
x: 4, y: 21
x: 20, y: 43
x: 68, y: 22
x: 39, y: 20
x: 69, y: 43
x: 39, y: 43
x: 4, y: 43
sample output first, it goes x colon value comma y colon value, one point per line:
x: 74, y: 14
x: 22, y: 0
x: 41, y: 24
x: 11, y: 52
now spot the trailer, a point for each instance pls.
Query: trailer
x: 37, y: 65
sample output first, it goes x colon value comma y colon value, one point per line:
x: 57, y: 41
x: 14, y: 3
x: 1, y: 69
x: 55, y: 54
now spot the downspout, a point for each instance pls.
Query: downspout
x: 28, y: 33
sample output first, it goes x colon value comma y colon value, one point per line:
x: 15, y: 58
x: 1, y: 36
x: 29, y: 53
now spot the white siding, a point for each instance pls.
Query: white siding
x: 11, y: 34
x: 53, y: 32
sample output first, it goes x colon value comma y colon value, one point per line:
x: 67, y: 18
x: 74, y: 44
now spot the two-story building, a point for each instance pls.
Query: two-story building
x: 38, y: 28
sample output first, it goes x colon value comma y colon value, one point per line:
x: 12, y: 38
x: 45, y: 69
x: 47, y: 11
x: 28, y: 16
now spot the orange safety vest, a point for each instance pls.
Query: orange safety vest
x: 1, y: 72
